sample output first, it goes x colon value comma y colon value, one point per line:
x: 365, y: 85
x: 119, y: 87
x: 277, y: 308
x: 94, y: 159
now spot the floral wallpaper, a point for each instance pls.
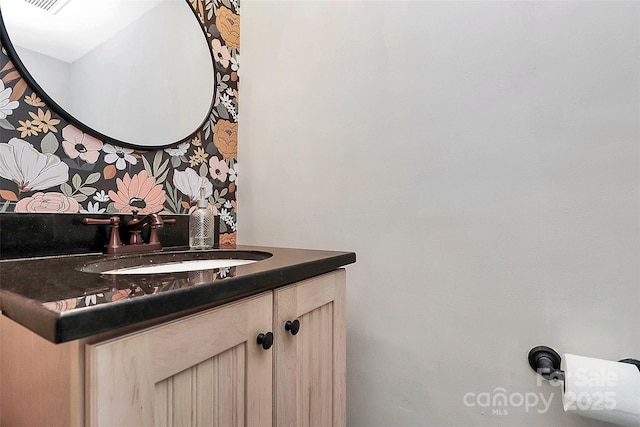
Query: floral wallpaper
x: 48, y: 165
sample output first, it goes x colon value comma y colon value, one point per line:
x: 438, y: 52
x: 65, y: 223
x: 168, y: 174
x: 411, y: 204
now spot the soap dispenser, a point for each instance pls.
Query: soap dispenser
x: 201, y: 225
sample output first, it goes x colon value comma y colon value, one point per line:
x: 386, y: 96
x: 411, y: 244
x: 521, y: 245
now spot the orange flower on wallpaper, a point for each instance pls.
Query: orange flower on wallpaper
x: 198, y: 6
x: 44, y: 121
x: 139, y: 193
x: 228, y: 240
x: 34, y: 100
x: 225, y: 138
x: 228, y: 24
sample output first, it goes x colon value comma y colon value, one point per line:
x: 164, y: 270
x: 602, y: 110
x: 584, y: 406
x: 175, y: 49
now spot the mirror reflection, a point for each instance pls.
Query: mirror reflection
x: 137, y: 72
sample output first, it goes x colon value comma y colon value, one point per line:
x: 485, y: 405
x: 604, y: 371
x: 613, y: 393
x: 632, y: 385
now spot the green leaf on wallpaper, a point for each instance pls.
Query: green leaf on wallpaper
x: 218, y: 200
x: 173, y: 201
x: 210, y: 123
x: 222, y: 111
x: 4, y: 124
x: 49, y: 144
x: 222, y: 86
x: 4, y: 207
x: 147, y: 166
x: 169, y: 199
x: 162, y: 168
x: 226, y: 78
x: 204, y: 169
x: 175, y: 161
x: 76, y: 181
x: 94, y: 177
x: 223, y: 227
x: 157, y: 159
x: 66, y: 189
x: 88, y: 190
x: 79, y: 197
x: 162, y: 177
x: 228, y: 4
x: 111, y: 208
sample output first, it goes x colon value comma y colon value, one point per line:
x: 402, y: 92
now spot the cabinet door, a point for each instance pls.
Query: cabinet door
x: 203, y: 370
x: 310, y: 367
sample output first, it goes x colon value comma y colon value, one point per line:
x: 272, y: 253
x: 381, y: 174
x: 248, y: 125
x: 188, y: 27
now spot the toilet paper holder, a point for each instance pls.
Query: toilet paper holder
x: 545, y: 361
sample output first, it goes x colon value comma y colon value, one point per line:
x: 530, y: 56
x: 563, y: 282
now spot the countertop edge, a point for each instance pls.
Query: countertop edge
x: 60, y: 327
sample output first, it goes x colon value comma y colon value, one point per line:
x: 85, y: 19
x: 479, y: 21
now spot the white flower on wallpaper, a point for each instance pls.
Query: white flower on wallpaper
x: 101, y: 196
x: 93, y: 208
x: 118, y: 155
x: 188, y: 182
x: 30, y: 169
x: 178, y: 151
x: 6, y: 105
x: 226, y: 216
x: 235, y: 63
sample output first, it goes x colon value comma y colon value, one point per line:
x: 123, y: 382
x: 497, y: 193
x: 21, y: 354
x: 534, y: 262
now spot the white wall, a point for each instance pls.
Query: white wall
x: 481, y: 158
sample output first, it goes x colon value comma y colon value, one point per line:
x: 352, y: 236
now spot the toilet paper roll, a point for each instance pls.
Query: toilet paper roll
x: 601, y: 389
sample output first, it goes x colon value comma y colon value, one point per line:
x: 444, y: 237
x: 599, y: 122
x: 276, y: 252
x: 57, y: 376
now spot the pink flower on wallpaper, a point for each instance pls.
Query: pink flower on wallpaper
x: 121, y: 295
x: 218, y: 169
x: 62, y: 305
x: 78, y: 144
x: 220, y: 53
x: 139, y: 193
x: 48, y: 202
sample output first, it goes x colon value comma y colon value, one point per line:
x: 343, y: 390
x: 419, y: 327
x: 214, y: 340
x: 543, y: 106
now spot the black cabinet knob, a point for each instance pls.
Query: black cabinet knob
x: 265, y: 340
x: 292, y: 326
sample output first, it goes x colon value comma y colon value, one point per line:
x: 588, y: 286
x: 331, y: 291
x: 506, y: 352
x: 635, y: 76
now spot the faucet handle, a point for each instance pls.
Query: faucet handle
x: 153, y: 235
x: 114, y: 238
x: 113, y: 221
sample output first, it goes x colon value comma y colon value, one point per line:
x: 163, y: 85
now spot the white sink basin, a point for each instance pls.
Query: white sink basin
x: 181, y: 266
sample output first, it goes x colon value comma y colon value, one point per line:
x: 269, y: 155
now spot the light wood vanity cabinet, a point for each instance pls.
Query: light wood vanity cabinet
x: 310, y: 367
x: 202, y: 370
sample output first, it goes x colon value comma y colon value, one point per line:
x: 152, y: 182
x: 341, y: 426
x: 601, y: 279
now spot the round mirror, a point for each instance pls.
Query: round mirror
x: 137, y: 73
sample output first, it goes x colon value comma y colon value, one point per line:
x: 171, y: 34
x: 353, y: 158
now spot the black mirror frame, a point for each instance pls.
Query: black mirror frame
x: 22, y: 69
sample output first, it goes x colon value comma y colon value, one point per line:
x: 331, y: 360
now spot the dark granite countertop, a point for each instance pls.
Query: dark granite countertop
x: 61, y: 299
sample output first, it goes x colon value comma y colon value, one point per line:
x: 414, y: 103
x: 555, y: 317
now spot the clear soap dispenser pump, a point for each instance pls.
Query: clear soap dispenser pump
x: 201, y: 225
